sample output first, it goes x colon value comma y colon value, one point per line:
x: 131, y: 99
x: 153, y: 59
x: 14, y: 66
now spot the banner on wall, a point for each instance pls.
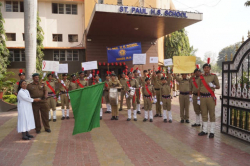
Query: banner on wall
x: 123, y: 52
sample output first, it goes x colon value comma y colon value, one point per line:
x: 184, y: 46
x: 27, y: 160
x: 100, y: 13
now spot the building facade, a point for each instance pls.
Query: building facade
x: 76, y: 31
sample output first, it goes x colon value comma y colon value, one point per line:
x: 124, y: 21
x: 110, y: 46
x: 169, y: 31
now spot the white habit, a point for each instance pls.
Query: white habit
x: 26, y: 120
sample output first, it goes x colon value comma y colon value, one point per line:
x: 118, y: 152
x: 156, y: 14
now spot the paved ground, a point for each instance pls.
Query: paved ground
x: 120, y: 142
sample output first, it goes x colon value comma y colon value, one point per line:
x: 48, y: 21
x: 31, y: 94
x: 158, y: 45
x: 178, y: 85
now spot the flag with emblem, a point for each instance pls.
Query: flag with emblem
x: 86, y: 105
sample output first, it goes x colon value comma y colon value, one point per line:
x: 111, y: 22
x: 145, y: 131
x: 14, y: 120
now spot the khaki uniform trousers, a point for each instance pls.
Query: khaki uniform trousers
x: 158, y: 105
x: 184, y: 106
x: 106, y: 96
x: 65, y: 101
x: 137, y: 91
x: 122, y: 97
x: 128, y: 102
x: 207, y: 107
x: 197, y: 108
x: 43, y: 109
x: 52, y: 103
x: 166, y: 104
x: 147, y: 103
x: 114, y: 110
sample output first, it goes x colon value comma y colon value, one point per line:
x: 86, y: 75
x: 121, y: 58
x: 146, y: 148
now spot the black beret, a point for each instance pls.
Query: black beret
x: 147, y: 79
x: 145, y: 71
x: 134, y: 71
x: 197, y: 70
x: 163, y: 78
x: 129, y: 73
x: 113, y: 74
x: 21, y: 74
x: 35, y: 74
x: 158, y: 72
x: 65, y: 74
x: 73, y: 75
x: 206, y: 64
x: 80, y: 72
x: 49, y: 74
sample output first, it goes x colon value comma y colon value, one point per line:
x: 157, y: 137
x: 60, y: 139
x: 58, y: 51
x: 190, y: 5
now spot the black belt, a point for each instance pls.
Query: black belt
x: 147, y: 95
x: 196, y: 94
x: 205, y: 94
x: 184, y: 93
x: 50, y: 93
x: 157, y: 88
x: 63, y: 92
x: 122, y: 88
x: 166, y: 97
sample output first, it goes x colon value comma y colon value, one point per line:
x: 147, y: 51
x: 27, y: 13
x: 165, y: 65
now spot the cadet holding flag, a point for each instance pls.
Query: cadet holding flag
x: 81, y: 82
x: 207, y: 85
x: 64, y: 89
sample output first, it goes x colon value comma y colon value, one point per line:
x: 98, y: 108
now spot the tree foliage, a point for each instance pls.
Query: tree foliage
x: 177, y: 44
x: 227, y: 51
x: 39, y: 47
x: 4, y: 52
x: 247, y: 3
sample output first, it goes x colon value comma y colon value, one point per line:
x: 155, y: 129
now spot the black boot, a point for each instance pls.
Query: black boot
x: 151, y: 120
x: 165, y: 120
x: 138, y: 112
x: 156, y: 115
x: 28, y: 135
x: 187, y: 121
x: 195, y: 125
x: 116, y: 118
x: 113, y: 118
x: 211, y: 135
x: 202, y: 133
x: 25, y: 137
x: 144, y: 120
x: 128, y: 119
x: 182, y: 121
x: 120, y: 109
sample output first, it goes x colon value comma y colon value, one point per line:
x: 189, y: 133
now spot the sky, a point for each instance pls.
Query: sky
x: 224, y: 23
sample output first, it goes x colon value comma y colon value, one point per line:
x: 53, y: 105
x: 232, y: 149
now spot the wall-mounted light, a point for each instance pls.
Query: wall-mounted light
x: 136, y: 29
x: 89, y: 40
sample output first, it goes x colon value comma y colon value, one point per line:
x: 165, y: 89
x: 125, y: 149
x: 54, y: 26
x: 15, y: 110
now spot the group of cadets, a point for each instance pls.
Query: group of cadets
x: 155, y: 86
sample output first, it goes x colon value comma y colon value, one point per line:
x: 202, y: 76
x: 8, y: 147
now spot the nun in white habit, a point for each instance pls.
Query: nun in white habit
x: 25, y: 121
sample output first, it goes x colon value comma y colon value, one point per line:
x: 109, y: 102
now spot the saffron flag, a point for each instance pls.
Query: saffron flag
x: 86, y: 104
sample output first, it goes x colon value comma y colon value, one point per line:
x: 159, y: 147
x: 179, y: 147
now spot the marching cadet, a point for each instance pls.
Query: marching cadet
x: 106, y: 92
x: 207, y: 85
x: 64, y: 90
x: 97, y: 81
x: 38, y: 90
x: 157, y: 85
x: 131, y: 95
x: 123, y: 82
x: 137, y: 91
x: 73, y: 84
x: 22, y: 77
x: 114, y: 83
x: 194, y: 90
x: 166, y: 97
x: 184, y: 101
x: 51, y: 100
x: 143, y: 82
x: 81, y: 82
x: 148, y: 93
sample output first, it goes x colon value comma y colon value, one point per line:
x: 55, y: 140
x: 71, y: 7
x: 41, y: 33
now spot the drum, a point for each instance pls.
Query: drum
x: 113, y: 96
x: 132, y: 92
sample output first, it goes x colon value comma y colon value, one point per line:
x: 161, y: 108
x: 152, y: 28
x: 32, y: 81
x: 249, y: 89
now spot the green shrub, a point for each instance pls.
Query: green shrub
x: 10, y: 99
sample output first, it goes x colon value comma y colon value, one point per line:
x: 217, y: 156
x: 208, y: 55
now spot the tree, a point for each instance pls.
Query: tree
x: 39, y: 52
x: 4, y: 52
x: 247, y: 3
x: 177, y: 44
x: 227, y: 51
x: 30, y: 31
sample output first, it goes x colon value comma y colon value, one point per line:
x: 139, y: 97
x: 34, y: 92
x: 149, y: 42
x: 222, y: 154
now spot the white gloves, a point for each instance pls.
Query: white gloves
x: 161, y: 103
x: 131, y: 88
x: 127, y: 95
x: 198, y: 101
x: 168, y: 69
x: 212, y: 85
x: 90, y: 76
x: 59, y: 98
x: 62, y: 82
x: 190, y: 98
x: 56, y: 75
x: 44, y: 74
x: 155, y: 99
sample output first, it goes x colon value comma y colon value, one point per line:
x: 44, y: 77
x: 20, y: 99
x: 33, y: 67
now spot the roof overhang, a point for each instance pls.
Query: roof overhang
x: 128, y: 21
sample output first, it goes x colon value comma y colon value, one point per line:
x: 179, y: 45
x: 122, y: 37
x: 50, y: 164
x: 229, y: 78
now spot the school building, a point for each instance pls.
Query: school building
x: 76, y: 31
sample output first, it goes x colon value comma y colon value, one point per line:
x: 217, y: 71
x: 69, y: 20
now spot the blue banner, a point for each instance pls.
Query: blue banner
x: 123, y: 53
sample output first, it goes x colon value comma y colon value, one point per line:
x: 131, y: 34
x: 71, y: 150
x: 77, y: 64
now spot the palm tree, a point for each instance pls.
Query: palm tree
x: 247, y: 3
x: 30, y: 31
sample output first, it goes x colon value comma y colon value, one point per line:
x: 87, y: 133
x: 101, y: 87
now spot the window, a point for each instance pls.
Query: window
x: 23, y: 37
x: 11, y: 36
x: 57, y: 37
x: 66, y: 55
x: 73, y: 38
x: 119, y: 2
x: 17, y: 56
x: 64, y: 8
x: 14, y: 6
x: 100, y: 1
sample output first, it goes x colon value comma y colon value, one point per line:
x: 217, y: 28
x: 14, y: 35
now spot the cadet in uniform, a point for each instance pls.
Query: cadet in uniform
x: 81, y: 82
x: 106, y: 92
x: 64, y: 89
x: 143, y: 82
x: 131, y: 84
x: 114, y: 83
x: 138, y: 94
x: 51, y: 89
x: 97, y: 81
x: 157, y: 85
x: 194, y: 90
x: 184, y: 101
x: 207, y: 85
x: 123, y: 82
x: 22, y: 77
x: 148, y: 93
x: 73, y: 84
x: 38, y: 90
x: 166, y: 97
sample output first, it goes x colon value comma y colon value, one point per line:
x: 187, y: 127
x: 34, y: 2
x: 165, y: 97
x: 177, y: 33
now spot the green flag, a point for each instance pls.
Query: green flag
x: 86, y: 104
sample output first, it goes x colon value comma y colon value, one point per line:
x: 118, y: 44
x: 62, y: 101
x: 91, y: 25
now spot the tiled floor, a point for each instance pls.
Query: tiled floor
x: 120, y: 142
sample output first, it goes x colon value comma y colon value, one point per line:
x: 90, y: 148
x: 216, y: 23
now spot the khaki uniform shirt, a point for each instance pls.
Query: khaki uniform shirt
x: 138, y: 79
x: 72, y: 86
x: 67, y: 82
x: 157, y: 82
x: 123, y: 82
x: 193, y: 89
x: 83, y: 82
x: 165, y: 89
x: 208, y: 78
x: 184, y: 85
x: 113, y: 84
x: 37, y: 90
x: 133, y: 83
x: 52, y: 84
x: 143, y: 81
x: 150, y: 88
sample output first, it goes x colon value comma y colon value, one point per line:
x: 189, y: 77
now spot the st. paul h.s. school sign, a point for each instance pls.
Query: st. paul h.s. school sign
x: 156, y: 12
